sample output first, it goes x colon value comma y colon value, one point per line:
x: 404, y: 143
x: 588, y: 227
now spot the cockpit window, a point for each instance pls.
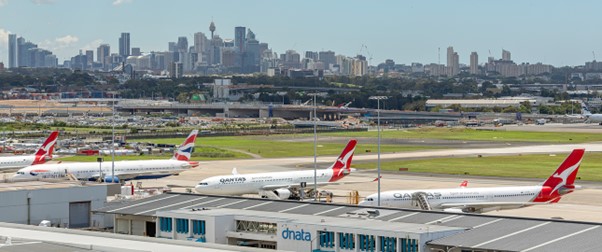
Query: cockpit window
x: 203, y: 183
x: 369, y: 199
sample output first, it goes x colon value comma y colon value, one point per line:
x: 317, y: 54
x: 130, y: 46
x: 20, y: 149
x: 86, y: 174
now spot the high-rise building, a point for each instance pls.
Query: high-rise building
x: 506, y: 55
x: 328, y: 58
x: 124, y: 44
x: 453, y: 62
x: 90, y: 56
x: 12, y: 51
x: 136, y: 51
x: 176, y: 70
x: 474, y: 63
x: 182, y: 45
x: 102, y: 54
x: 239, y: 38
x: 172, y: 47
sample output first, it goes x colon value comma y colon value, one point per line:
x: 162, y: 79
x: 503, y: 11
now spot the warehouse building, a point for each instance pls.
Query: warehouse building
x: 63, y: 204
x: 303, y: 226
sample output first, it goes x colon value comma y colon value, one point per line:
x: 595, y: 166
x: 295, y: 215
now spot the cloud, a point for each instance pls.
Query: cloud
x: 3, y: 2
x: 92, y: 45
x: 38, y: 2
x: 118, y: 2
x: 59, y: 43
x: 3, y: 37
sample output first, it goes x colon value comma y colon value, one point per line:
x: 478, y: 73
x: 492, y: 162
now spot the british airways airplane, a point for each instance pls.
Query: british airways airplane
x: 466, y: 199
x: 43, y: 154
x: 124, y: 170
x: 280, y: 185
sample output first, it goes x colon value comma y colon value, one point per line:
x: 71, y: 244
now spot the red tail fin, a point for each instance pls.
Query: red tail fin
x: 343, y: 163
x: 562, y: 180
x: 464, y: 183
x: 45, y: 151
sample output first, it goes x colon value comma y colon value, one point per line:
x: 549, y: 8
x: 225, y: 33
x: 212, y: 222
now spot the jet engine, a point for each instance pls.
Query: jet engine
x: 282, y: 193
x: 110, y: 179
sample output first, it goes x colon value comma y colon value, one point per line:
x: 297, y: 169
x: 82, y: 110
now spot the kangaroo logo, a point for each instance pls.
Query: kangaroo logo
x: 564, y: 175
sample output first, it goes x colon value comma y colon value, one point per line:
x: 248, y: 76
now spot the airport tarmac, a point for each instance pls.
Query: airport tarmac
x: 582, y: 205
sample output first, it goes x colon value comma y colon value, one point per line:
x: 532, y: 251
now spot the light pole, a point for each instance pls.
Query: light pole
x: 378, y: 98
x: 113, y: 145
x: 315, y: 150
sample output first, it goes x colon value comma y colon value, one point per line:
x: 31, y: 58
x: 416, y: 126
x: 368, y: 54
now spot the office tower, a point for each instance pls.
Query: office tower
x: 182, y: 45
x: 12, y: 51
x: 453, y: 62
x: 239, y: 38
x: 102, y: 54
x: 136, y: 51
x: 124, y: 44
x: 172, y: 47
x: 90, y: 57
x: 200, y: 42
x: 474, y: 63
x: 176, y: 70
x: 328, y: 58
x: 506, y: 55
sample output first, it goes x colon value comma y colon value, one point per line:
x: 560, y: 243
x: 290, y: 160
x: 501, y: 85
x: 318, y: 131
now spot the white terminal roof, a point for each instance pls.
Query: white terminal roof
x: 485, y: 232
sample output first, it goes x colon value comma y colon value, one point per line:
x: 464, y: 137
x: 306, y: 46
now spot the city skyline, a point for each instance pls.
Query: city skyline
x: 414, y: 32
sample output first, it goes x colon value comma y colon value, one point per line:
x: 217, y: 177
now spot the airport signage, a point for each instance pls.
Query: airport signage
x: 288, y: 234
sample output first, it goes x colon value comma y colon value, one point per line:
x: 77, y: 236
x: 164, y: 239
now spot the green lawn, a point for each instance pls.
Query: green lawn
x: 473, y: 134
x: 523, y: 166
x: 272, y: 147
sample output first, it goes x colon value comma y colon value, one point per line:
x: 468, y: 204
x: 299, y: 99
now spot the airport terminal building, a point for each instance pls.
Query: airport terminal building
x: 305, y: 226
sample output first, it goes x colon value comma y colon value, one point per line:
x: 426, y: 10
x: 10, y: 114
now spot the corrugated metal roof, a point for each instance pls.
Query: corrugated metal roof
x: 483, y: 232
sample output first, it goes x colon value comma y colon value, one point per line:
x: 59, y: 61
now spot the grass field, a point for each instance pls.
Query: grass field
x: 523, y: 166
x: 481, y: 135
x: 272, y: 147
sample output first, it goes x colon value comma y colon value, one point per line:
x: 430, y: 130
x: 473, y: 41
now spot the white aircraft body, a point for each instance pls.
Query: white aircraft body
x: 590, y: 118
x: 43, y: 154
x: 485, y: 199
x: 281, y: 185
x: 124, y: 170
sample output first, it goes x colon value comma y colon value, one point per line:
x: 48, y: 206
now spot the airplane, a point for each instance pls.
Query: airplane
x: 344, y: 105
x: 124, y: 170
x: 479, y: 200
x: 591, y: 118
x: 279, y: 185
x: 43, y: 154
x: 306, y: 102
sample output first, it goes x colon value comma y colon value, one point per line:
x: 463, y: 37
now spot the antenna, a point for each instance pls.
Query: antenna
x: 594, y: 53
x: 438, y: 55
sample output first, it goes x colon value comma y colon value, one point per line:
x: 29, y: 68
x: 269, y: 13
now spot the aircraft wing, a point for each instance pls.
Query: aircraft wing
x: 485, y: 206
x: 311, y: 184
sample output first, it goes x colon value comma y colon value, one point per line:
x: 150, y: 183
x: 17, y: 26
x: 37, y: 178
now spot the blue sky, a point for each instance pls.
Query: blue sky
x: 553, y: 32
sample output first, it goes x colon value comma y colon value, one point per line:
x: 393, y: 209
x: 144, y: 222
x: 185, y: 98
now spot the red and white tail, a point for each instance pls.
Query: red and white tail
x: 342, y: 165
x: 184, y: 151
x: 562, y: 180
x: 45, y: 151
x: 464, y: 183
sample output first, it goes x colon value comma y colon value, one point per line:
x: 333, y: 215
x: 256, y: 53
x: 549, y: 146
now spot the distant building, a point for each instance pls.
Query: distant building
x: 136, y: 51
x: 239, y: 38
x: 90, y: 56
x: 124, y: 45
x: 102, y: 55
x: 176, y: 70
x: 328, y: 59
x: 12, y: 51
x: 453, y: 62
x: 1, y: 66
x: 182, y: 45
x: 474, y: 63
x: 506, y: 56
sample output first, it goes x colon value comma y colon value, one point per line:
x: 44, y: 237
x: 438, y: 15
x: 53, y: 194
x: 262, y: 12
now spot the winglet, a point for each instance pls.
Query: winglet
x: 184, y: 151
x: 45, y: 151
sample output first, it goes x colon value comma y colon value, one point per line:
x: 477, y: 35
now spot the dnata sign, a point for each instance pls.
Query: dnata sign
x: 288, y: 234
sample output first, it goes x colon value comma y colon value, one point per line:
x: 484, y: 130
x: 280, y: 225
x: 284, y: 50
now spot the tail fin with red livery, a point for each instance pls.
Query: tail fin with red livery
x: 184, y: 151
x: 45, y: 151
x: 562, y: 180
x: 342, y: 166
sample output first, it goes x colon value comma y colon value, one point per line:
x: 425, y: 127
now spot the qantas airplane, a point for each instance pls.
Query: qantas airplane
x: 486, y: 199
x: 124, y: 170
x: 43, y: 154
x: 279, y: 185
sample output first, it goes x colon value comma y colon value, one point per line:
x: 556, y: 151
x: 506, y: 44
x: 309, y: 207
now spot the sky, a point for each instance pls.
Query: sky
x: 548, y: 31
